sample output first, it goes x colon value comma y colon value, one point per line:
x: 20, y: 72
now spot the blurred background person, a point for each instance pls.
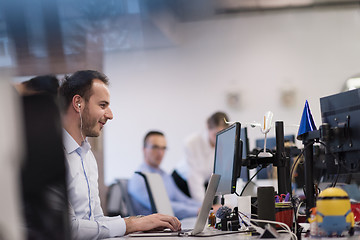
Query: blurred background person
x: 43, y: 174
x: 45, y: 84
x: 154, y: 151
x: 193, y: 172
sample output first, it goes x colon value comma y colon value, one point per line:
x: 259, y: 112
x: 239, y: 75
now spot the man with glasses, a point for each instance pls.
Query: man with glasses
x: 154, y: 150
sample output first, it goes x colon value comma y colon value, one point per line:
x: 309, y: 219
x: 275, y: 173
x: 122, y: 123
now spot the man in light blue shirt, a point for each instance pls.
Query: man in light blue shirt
x: 154, y: 150
x: 86, y: 109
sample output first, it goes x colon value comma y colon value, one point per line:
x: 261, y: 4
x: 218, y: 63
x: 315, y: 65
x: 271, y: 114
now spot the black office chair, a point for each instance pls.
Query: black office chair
x: 118, y: 199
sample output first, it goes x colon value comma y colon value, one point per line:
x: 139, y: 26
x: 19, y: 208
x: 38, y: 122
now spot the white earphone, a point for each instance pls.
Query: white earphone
x: 81, y: 123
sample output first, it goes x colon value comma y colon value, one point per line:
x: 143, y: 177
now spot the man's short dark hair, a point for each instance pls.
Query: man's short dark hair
x: 47, y: 84
x: 217, y: 120
x: 79, y: 83
x: 151, y: 133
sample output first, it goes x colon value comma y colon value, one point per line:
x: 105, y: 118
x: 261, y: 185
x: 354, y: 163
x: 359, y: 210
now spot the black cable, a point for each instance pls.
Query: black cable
x: 335, y: 157
x: 242, y: 220
x: 291, y: 176
x: 333, y: 184
x: 220, y: 233
x: 298, y: 158
x: 337, y: 176
x: 262, y: 167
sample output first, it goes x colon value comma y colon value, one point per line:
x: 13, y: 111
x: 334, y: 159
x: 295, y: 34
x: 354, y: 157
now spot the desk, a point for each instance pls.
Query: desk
x: 237, y: 236
x: 190, y: 222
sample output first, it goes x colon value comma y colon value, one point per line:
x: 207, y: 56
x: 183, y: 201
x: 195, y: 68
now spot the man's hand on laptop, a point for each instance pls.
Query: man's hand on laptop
x: 154, y: 221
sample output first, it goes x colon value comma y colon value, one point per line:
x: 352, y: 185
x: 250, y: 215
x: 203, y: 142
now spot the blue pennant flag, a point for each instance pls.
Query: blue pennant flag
x: 307, y: 122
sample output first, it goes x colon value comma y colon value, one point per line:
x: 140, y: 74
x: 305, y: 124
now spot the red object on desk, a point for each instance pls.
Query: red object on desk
x: 285, y: 215
x: 355, y: 208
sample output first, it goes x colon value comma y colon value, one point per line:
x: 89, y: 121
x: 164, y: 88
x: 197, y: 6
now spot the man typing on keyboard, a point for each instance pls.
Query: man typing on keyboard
x: 85, y: 100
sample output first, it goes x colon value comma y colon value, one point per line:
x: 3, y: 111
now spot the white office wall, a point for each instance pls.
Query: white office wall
x: 257, y: 55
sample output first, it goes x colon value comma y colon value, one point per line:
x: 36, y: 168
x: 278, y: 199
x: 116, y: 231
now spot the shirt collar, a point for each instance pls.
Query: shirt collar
x: 152, y: 169
x: 71, y: 145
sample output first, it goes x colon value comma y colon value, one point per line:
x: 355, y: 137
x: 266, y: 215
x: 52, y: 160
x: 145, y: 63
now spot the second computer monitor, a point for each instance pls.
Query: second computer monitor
x: 227, y: 161
x: 244, y: 172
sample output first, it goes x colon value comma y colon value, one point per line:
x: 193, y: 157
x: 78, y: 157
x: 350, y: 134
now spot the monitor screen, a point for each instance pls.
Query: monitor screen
x: 227, y: 161
x: 341, y: 113
x: 271, y: 141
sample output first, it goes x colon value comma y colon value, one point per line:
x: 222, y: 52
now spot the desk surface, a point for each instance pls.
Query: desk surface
x: 238, y: 236
x: 190, y: 222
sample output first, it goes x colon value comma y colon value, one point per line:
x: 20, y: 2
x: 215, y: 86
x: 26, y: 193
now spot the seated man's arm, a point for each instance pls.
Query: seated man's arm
x: 154, y: 221
x: 102, y: 227
x: 106, y: 227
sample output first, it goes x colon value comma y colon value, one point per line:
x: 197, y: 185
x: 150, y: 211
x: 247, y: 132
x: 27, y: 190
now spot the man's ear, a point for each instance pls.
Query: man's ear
x: 77, y: 103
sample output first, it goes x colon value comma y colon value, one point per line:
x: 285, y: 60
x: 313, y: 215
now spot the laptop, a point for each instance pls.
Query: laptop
x: 201, y: 219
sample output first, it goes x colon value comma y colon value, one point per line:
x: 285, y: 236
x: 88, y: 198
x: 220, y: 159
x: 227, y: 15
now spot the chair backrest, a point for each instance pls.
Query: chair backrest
x: 118, y: 199
x: 159, y: 199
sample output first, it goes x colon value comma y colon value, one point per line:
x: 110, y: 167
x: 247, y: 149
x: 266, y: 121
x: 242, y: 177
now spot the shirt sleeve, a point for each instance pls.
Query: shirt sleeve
x: 102, y: 227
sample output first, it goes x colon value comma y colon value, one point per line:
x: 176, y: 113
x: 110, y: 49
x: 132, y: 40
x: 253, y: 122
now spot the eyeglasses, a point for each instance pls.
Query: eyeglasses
x: 156, y: 147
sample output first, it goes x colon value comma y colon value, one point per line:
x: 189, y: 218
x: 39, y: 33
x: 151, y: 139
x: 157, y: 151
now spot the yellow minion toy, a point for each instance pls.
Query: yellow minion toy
x: 333, y: 212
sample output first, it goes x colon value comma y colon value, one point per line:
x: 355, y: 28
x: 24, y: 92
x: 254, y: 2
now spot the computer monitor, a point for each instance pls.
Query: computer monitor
x: 227, y: 161
x: 245, y: 142
x: 270, y: 144
x: 244, y: 174
x: 341, y: 131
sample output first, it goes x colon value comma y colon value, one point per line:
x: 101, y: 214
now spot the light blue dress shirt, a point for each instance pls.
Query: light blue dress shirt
x: 182, y: 205
x: 86, y: 215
